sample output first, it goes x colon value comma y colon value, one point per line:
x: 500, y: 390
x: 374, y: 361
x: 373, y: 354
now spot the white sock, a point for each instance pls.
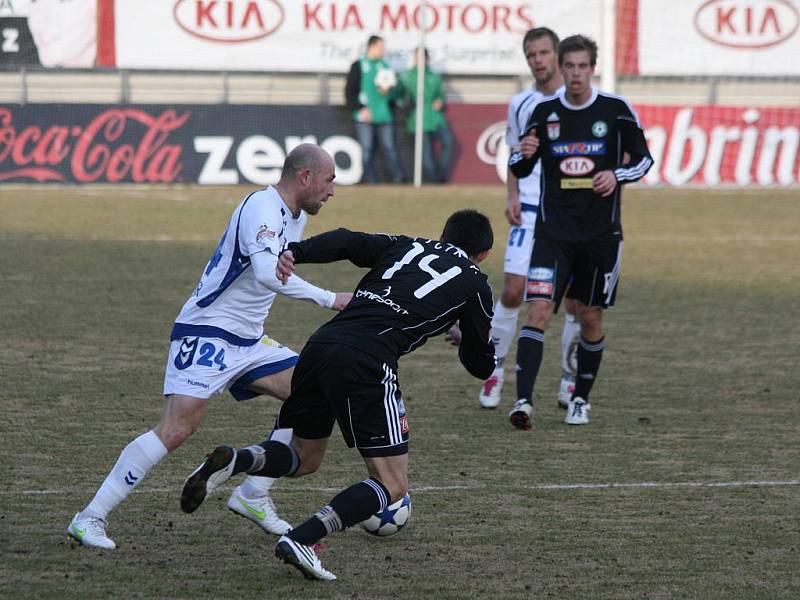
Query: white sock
x: 135, y: 460
x: 504, y: 330
x: 257, y: 486
x: 569, y: 339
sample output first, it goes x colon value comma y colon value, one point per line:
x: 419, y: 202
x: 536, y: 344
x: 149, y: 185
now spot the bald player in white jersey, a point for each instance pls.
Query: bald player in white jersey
x: 218, y: 341
x: 540, y: 46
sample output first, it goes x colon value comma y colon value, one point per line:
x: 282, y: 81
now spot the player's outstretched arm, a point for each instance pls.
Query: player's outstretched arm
x: 362, y: 249
x: 275, y: 275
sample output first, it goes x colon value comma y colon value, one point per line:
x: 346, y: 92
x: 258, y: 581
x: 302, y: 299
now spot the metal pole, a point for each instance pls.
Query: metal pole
x: 608, y: 79
x: 420, y: 97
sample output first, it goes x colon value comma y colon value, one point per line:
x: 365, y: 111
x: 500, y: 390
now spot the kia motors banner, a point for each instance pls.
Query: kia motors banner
x: 50, y: 33
x: 719, y: 37
x: 464, y: 36
x: 222, y: 145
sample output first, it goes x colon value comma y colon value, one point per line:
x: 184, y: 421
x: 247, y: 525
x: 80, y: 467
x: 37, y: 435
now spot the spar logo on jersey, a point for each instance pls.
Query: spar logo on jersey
x: 228, y: 21
x: 576, y: 165
x: 590, y: 148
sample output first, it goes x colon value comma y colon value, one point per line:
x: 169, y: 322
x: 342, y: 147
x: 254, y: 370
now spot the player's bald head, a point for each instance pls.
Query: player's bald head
x: 305, y: 157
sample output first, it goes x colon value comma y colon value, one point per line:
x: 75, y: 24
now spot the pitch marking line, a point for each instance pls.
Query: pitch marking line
x: 447, y: 488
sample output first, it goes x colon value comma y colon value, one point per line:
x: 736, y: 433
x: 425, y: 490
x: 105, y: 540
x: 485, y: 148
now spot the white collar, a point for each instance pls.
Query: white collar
x: 562, y: 95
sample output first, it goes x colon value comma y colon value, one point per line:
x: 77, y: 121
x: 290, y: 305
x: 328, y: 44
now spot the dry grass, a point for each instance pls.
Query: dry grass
x: 698, y: 384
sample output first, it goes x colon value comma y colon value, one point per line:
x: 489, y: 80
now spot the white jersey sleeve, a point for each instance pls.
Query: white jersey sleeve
x: 262, y: 227
x: 520, y: 108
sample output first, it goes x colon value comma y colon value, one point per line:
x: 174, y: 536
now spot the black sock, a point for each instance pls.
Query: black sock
x: 530, y: 348
x: 589, y: 356
x: 348, y: 507
x: 270, y: 459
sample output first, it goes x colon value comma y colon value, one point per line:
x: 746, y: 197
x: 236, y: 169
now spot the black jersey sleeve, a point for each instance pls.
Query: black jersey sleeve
x: 476, y: 350
x: 635, y: 144
x: 520, y: 166
x: 362, y: 249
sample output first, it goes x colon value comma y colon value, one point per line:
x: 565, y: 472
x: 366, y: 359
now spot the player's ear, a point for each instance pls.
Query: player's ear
x: 481, y: 256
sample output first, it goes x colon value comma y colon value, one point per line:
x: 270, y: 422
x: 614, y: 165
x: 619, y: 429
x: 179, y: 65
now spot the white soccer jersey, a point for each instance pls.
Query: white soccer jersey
x: 229, y: 302
x: 520, y: 108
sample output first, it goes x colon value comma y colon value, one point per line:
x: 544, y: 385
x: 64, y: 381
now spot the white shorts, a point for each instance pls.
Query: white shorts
x: 520, y: 245
x: 201, y: 367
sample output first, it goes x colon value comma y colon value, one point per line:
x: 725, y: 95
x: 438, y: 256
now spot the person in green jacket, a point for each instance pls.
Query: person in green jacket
x: 370, y: 92
x: 436, y: 133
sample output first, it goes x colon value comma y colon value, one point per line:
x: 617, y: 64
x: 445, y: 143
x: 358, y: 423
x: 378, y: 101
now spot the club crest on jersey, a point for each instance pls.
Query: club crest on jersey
x: 599, y: 129
x: 265, y: 232
x: 553, y: 127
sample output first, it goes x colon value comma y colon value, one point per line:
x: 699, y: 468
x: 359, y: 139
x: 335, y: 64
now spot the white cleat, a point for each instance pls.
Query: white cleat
x: 520, y: 415
x: 565, y: 391
x: 577, y: 412
x: 90, y: 531
x: 491, y: 390
x: 215, y: 470
x: 260, y: 511
x: 303, y: 558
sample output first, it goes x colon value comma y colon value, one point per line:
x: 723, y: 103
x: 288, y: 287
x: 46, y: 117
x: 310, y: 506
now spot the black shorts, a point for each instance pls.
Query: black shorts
x: 333, y: 382
x: 593, y: 266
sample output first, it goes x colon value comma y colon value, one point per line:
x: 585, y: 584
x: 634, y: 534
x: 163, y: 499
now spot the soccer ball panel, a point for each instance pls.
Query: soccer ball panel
x: 385, y: 78
x: 390, y: 520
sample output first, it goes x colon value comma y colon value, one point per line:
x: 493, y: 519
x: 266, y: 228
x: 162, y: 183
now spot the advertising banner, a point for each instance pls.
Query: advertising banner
x: 223, y: 145
x: 733, y: 37
x: 50, y: 33
x: 464, y: 36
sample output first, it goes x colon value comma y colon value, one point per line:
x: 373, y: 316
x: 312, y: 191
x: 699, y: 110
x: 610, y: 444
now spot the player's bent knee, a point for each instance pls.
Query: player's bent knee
x: 174, y: 436
x: 591, y: 322
x: 511, y: 298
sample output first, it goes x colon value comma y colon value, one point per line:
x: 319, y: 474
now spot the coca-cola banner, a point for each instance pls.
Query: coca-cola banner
x: 464, y: 36
x: 221, y: 145
x: 733, y: 37
x: 84, y: 143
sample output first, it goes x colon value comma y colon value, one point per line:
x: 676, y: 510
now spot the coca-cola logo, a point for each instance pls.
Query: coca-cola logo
x: 109, y: 148
x: 229, y: 21
x: 576, y: 165
x: 747, y: 23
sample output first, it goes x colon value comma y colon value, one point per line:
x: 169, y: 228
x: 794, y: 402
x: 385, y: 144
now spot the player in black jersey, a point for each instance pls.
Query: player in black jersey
x: 347, y: 372
x: 589, y: 144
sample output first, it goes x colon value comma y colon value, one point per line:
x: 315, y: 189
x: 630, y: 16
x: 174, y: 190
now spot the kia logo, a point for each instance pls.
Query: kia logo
x: 747, y: 23
x: 576, y: 165
x: 228, y: 21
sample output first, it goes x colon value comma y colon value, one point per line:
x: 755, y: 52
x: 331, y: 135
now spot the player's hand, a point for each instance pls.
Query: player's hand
x: 437, y: 105
x: 529, y: 144
x: 454, y: 335
x: 285, y: 266
x: 514, y: 211
x: 365, y: 115
x: 342, y: 300
x: 604, y: 183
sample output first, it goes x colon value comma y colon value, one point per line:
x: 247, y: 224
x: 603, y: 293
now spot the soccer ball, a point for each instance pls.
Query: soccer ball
x: 385, y: 79
x: 391, y: 519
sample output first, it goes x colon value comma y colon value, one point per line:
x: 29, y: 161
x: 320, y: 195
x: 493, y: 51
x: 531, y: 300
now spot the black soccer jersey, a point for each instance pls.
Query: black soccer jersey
x: 576, y: 143
x: 416, y: 288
